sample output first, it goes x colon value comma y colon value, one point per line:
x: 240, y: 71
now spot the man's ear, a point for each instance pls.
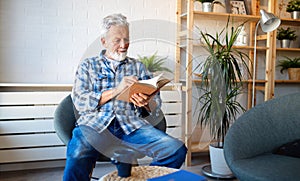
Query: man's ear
x: 103, y: 41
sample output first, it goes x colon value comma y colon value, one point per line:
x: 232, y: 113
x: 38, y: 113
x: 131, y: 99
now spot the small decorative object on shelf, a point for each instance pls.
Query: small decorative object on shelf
x: 237, y: 7
x: 286, y: 36
x: 241, y: 39
x: 208, y: 5
x: 293, y: 7
x: 292, y: 65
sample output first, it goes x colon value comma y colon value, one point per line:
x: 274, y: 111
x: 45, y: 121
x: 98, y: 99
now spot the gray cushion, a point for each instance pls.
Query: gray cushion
x: 257, y: 133
x: 267, y: 167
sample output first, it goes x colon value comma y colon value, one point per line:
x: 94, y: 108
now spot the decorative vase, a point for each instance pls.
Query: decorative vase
x: 285, y: 43
x: 294, y: 73
x: 295, y: 14
x: 207, y: 7
x: 218, y: 163
x: 197, y: 6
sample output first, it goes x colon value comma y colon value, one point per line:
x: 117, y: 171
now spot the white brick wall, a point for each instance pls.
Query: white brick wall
x: 42, y: 41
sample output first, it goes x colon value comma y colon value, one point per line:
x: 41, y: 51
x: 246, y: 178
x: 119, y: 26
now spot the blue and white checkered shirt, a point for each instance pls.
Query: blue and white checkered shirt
x: 94, y: 76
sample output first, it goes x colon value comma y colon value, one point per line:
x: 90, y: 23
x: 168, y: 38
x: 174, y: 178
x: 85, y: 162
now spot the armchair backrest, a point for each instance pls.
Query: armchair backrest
x: 263, y: 128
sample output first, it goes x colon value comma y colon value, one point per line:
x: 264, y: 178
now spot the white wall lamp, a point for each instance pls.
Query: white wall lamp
x: 268, y: 22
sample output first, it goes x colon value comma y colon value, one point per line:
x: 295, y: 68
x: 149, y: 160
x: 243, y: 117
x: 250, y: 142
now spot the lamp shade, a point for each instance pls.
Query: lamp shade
x: 268, y: 21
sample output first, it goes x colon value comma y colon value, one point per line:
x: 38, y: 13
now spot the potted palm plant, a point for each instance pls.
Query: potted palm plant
x: 286, y: 35
x: 222, y: 75
x: 292, y: 65
x: 154, y: 63
x: 293, y: 7
x: 208, y: 5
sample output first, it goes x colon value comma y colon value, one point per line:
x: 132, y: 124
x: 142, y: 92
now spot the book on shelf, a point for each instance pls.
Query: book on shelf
x: 148, y: 87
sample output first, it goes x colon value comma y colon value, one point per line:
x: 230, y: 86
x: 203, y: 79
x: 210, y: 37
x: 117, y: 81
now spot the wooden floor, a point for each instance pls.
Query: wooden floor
x: 55, y: 174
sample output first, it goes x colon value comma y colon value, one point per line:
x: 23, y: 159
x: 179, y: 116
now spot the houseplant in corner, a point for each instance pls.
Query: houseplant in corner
x: 154, y: 63
x: 285, y: 35
x: 222, y: 75
x: 293, y: 7
x: 292, y: 65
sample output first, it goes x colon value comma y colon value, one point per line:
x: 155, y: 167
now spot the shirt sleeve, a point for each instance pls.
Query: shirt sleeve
x: 83, y: 96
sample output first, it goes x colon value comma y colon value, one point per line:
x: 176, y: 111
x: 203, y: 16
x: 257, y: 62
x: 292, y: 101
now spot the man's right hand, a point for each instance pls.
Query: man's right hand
x: 126, y: 82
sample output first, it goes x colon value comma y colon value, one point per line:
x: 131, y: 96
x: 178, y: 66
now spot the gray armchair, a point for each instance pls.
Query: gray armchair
x: 65, y: 117
x: 252, y: 140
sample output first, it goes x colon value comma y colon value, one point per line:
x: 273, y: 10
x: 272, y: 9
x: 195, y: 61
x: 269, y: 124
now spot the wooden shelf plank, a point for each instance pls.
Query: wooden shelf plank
x: 238, y: 47
x: 287, y: 81
x: 224, y: 16
x: 288, y: 49
x: 290, y: 22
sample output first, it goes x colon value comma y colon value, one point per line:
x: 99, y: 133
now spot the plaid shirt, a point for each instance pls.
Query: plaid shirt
x: 93, y: 77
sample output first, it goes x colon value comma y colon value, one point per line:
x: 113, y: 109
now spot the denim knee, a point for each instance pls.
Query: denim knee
x: 181, y: 154
x: 175, y: 160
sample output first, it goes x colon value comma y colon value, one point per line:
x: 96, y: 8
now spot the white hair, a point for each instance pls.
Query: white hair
x: 110, y: 20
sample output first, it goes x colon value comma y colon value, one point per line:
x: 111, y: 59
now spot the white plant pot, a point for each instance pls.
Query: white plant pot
x: 207, y: 7
x: 217, y: 160
x: 285, y: 43
x: 295, y: 14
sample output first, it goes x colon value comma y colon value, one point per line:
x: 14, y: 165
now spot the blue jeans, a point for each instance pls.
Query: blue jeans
x: 85, y: 145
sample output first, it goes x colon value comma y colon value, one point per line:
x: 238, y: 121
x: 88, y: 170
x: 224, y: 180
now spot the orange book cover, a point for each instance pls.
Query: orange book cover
x: 148, y: 87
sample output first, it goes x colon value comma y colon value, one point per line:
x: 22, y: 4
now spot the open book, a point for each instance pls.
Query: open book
x: 148, y: 87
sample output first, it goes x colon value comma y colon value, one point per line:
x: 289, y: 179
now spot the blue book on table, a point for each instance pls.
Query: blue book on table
x: 179, y: 176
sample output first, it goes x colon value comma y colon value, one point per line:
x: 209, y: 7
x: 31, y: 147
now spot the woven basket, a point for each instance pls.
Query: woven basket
x: 294, y: 73
x: 139, y: 173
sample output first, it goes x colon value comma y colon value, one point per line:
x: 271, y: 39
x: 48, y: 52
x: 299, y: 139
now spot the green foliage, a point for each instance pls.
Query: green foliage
x: 289, y: 63
x: 286, y: 34
x: 293, y: 5
x: 219, y: 127
x: 154, y: 63
x: 224, y: 64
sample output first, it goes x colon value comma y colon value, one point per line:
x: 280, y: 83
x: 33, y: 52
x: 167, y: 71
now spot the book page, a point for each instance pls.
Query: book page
x: 148, y: 87
x: 152, y: 81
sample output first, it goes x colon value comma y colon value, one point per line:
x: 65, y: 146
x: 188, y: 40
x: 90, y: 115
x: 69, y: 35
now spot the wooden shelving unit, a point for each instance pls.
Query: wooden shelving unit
x: 186, y: 16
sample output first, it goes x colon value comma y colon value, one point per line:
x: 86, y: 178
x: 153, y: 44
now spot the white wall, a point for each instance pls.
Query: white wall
x: 42, y: 41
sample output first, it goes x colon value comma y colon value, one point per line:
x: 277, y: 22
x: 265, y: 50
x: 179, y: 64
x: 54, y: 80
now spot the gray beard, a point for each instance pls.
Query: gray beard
x: 118, y: 57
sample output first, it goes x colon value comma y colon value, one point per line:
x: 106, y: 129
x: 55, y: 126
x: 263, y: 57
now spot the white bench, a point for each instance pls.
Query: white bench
x: 27, y: 134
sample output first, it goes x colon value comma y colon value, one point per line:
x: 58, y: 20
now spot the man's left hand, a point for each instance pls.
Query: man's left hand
x: 140, y: 99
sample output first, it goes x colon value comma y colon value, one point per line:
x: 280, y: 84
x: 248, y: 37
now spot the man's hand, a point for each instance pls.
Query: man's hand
x: 140, y: 99
x: 126, y: 82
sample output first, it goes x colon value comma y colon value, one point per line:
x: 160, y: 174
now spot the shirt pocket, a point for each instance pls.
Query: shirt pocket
x: 100, y: 82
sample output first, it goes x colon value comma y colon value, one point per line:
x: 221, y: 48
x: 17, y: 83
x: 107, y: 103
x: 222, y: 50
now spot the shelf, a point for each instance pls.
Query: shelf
x: 288, y: 49
x: 290, y: 22
x: 224, y: 16
x: 257, y: 81
x: 244, y: 81
x: 287, y: 81
x: 235, y: 47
